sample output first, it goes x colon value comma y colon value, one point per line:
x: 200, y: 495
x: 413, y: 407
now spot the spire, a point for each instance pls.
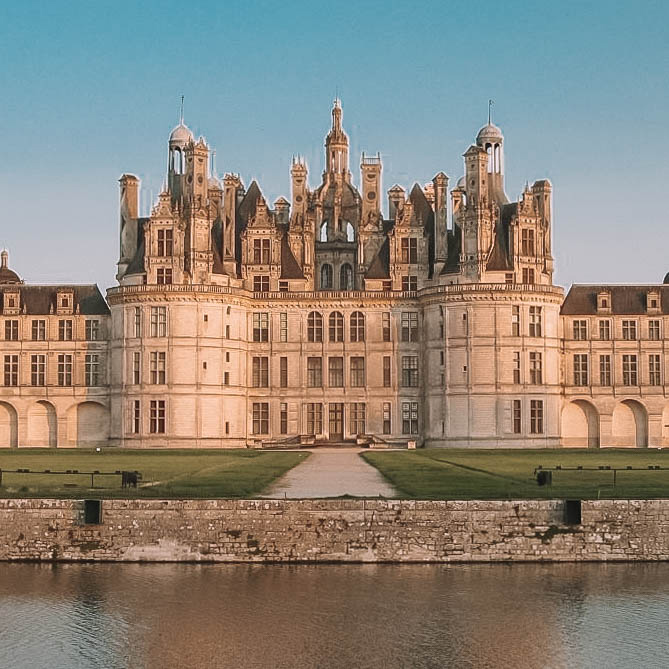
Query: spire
x: 181, y: 114
x: 336, y: 116
x: 490, y: 104
x: 4, y: 256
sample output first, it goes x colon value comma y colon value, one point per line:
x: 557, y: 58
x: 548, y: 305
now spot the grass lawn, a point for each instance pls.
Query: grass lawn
x: 165, y: 474
x: 509, y: 473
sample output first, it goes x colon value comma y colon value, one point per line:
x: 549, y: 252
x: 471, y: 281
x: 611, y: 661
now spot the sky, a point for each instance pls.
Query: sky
x: 91, y: 90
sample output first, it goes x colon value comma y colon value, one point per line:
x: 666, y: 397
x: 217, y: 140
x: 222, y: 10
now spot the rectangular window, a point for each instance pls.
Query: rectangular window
x: 261, y: 248
x: 386, y: 371
x: 314, y: 418
x: 283, y: 286
x: 38, y: 330
x: 165, y: 242
x: 157, y: 416
x: 629, y: 330
x: 226, y: 378
x: 157, y: 360
x: 386, y: 325
x: 283, y: 418
x: 357, y: 415
x: 260, y: 418
x: 336, y: 372
x: 630, y: 371
x: 283, y: 372
x: 261, y: 284
x: 260, y: 372
x: 410, y: 282
x: 92, y: 370
x: 535, y: 321
x: 536, y: 416
x: 38, y: 370
x: 654, y: 373
x: 605, y: 330
x: 283, y: 326
x: 164, y: 276
x: 528, y: 275
x: 387, y: 418
x: 261, y: 326
x: 410, y: 371
x: 536, y: 374
x: 580, y: 329
x: 92, y: 329
x: 580, y: 369
x: 314, y: 372
x: 517, y: 417
x: 654, y: 330
x: 64, y: 369
x: 12, y: 330
x: 409, y: 250
x: 136, y: 368
x: 604, y: 370
x: 410, y: 326
x: 357, y: 372
x: 527, y: 242
x: 11, y: 370
x: 138, y: 322
x: 136, y: 416
x: 159, y: 321
x: 508, y: 278
x: 515, y: 321
x: 516, y: 367
x: 65, y: 330
x: 410, y: 417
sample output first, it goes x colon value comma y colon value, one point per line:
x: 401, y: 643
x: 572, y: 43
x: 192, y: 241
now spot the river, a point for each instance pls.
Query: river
x: 141, y: 616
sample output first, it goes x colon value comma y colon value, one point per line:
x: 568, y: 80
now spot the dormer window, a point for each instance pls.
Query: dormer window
x: 11, y: 302
x: 653, y: 302
x: 65, y: 302
x: 261, y: 251
x: 604, y: 302
x: 409, y: 250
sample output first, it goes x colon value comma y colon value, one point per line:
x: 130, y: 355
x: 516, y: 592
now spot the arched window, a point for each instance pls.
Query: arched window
x: 350, y: 233
x: 314, y: 326
x: 177, y: 161
x: 323, y: 237
x: 346, y: 277
x: 357, y: 326
x: 326, y: 277
x: 336, y: 326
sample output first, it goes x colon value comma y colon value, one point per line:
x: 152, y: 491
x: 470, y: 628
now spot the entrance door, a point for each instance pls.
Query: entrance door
x: 336, y: 421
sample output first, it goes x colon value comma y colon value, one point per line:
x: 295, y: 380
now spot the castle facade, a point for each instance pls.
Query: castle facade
x: 319, y: 319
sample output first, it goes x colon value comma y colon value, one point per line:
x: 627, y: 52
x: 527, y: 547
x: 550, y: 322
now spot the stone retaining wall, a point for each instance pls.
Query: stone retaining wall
x: 333, y: 531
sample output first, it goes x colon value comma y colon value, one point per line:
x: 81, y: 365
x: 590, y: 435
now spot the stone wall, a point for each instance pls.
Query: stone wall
x: 333, y: 531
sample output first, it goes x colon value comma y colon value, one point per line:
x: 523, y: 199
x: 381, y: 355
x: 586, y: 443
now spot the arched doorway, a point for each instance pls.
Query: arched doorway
x: 580, y: 425
x: 42, y: 426
x: 629, y: 427
x: 9, y: 426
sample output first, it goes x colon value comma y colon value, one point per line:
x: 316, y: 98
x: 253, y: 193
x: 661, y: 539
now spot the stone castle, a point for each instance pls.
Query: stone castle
x: 319, y: 319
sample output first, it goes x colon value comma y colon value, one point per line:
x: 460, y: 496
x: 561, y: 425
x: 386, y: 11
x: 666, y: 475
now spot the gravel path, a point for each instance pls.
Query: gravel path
x: 331, y: 472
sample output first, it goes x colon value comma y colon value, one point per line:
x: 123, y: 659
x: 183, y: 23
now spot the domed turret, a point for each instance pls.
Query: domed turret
x: 181, y: 135
x: 489, y: 133
x: 7, y: 276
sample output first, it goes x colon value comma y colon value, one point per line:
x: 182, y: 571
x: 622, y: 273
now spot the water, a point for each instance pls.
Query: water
x: 163, y: 616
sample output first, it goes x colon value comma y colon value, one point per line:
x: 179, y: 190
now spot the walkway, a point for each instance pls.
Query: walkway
x: 331, y: 472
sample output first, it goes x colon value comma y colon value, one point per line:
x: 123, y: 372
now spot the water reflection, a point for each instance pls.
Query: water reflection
x: 163, y: 616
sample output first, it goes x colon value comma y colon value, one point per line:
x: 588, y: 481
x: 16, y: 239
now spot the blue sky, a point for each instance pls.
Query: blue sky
x: 91, y: 90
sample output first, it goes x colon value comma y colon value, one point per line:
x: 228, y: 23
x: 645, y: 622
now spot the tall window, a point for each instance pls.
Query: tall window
x: 385, y: 322
x: 314, y: 326
x: 261, y: 251
x: 157, y: 417
x: 136, y: 417
x: 283, y: 326
x: 283, y: 418
x: 65, y: 330
x: 387, y: 418
x: 528, y: 275
x: 92, y: 370
x: 314, y: 418
x: 357, y: 415
x: 536, y: 374
x: 38, y: 370
x: 410, y: 371
x: 159, y: 321
x: 92, y: 329
x: 357, y: 372
x: 580, y: 329
x: 260, y: 326
x: 261, y: 283
x: 64, y: 369
x: 515, y: 321
x: 136, y: 368
x: 326, y: 277
x: 164, y: 276
x: 629, y: 330
x: 314, y: 372
x: 580, y: 369
x: 346, y: 277
x: 357, y: 322
x: 336, y: 372
x: 410, y: 282
x: 410, y: 326
x: 165, y: 242
x: 260, y: 371
x: 386, y: 371
x: 535, y: 321
x: 517, y: 417
x: 630, y: 371
x: 12, y: 370
x: 12, y: 330
x: 654, y: 330
x: 409, y: 250
x: 527, y: 242
x: 516, y: 367
x: 654, y: 375
x: 138, y: 321
x: 410, y: 417
x: 605, y: 330
x: 537, y: 416
x: 604, y: 370
x: 157, y: 360
x: 38, y: 329
x: 336, y: 328
x: 283, y: 372
x: 260, y: 418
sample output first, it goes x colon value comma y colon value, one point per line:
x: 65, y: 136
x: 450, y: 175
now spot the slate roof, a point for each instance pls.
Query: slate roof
x: 136, y: 265
x: 289, y: 267
x: 500, y: 260
x: 629, y: 300
x: 41, y: 300
x: 379, y: 268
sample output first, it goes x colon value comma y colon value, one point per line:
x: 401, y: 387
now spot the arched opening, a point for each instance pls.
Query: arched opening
x: 323, y: 234
x: 42, y: 426
x: 92, y: 424
x: 489, y: 151
x: 629, y: 427
x: 580, y: 425
x: 326, y: 277
x: 350, y: 233
x: 357, y: 322
x: 314, y: 327
x: 9, y: 426
x: 346, y: 277
x: 336, y: 326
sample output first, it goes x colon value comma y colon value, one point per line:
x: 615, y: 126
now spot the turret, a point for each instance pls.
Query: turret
x: 298, y: 176
x: 491, y: 140
x: 396, y: 198
x: 370, y: 168
x: 197, y: 161
x: 180, y: 138
x: 336, y: 147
